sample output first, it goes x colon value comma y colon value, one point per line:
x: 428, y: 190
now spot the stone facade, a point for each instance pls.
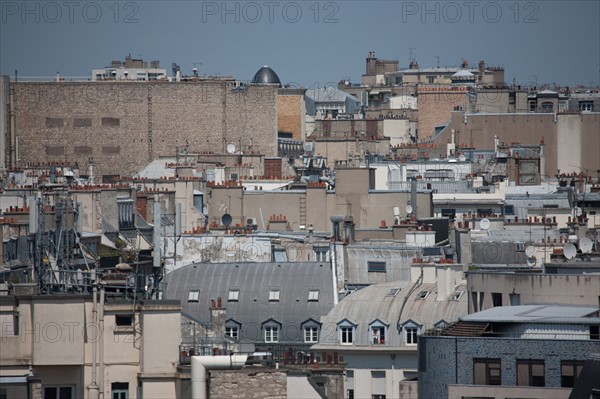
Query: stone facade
x: 123, y: 126
x: 248, y: 384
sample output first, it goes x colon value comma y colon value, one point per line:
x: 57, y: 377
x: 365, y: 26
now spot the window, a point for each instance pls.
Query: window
x: 119, y: 390
x: 594, y: 332
x: 313, y: 295
x: 547, y: 106
x: 58, y: 392
x: 569, y: 371
x: 449, y: 213
x: 486, y: 372
x: 232, y: 331
x: 456, y: 296
x: 410, y: 335
x: 376, y: 267
x: 378, y: 385
x: 431, y: 79
x: 347, y: 335
x: 234, y: 296
x: 519, y: 246
x: 515, y: 299
x: 378, y: 335
x: 393, y: 292
x: 530, y: 373
x: 279, y: 255
x: 311, y: 334
x: 422, y: 294
x: 496, y: 299
x: 193, y: 296
x: 271, y: 334
x: 274, y: 296
x: 509, y: 209
x: 123, y: 320
x: 321, y: 254
x: 586, y: 105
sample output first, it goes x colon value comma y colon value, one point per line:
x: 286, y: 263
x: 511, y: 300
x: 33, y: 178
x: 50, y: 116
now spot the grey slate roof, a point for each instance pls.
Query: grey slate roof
x: 254, y: 280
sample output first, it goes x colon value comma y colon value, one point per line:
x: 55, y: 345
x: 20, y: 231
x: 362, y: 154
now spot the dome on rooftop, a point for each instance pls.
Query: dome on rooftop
x: 266, y: 75
x: 463, y: 73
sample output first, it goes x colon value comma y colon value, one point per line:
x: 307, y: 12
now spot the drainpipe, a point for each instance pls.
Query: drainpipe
x: 101, y: 348
x: 93, y: 387
x: 200, y: 364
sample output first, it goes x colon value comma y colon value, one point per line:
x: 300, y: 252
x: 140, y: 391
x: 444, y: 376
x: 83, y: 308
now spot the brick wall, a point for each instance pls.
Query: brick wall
x: 435, y: 107
x: 291, y: 113
x: 125, y: 125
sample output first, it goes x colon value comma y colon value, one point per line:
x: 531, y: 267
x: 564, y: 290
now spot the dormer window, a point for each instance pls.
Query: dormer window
x: 346, y: 330
x: 410, y: 331
x: 377, y: 332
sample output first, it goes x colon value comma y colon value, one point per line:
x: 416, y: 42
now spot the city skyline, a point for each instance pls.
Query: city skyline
x: 309, y: 44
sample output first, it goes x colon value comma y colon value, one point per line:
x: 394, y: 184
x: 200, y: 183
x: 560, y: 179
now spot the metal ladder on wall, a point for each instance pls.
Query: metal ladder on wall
x: 302, y: 208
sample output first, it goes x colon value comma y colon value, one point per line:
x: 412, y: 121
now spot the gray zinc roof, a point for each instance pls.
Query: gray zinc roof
x: 254, y: 281
x: 536, y: 314
x: 374, y: 303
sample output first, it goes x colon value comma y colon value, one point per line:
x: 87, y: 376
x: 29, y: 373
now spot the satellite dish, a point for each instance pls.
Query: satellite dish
x: 409, y: 208
x: 585, y: 244
x: 570, y: 251
x: 484, y: 224
x: 231, y: 148
x: 531, y: 261
x: 226, y: 219
x: 530, y: 251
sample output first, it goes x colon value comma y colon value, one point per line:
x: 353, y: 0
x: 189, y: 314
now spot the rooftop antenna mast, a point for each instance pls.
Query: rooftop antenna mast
x: 411, y: 54
x: 438, y: 60
x: 195, y: 68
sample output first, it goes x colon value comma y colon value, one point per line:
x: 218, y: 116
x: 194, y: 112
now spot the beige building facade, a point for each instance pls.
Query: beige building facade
x: 50, y: 342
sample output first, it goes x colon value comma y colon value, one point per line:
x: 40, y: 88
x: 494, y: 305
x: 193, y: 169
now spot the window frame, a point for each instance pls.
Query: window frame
x: 313, y: 295
x: 274, y: 295
x: 235, y: 332
x: 347, y: 335
x: 193, y: 296
x: 576, y: 366
x: 489, y: 378
x: 233, y: 295
x: 313, y: 333
x: 375, y: 266
x: 271, y: 334
x: 531, y: 378
x: 58, y: 388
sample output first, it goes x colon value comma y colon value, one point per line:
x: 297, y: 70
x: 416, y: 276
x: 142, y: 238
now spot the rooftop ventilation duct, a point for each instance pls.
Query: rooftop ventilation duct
x: 202, y: 363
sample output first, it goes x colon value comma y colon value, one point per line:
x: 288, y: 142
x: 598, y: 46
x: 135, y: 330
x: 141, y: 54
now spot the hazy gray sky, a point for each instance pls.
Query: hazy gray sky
x: 306, y: 42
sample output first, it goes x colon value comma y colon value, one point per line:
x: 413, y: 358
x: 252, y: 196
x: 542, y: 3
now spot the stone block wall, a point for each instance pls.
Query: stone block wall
x: 123, y: 126
x: 248, y: 384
